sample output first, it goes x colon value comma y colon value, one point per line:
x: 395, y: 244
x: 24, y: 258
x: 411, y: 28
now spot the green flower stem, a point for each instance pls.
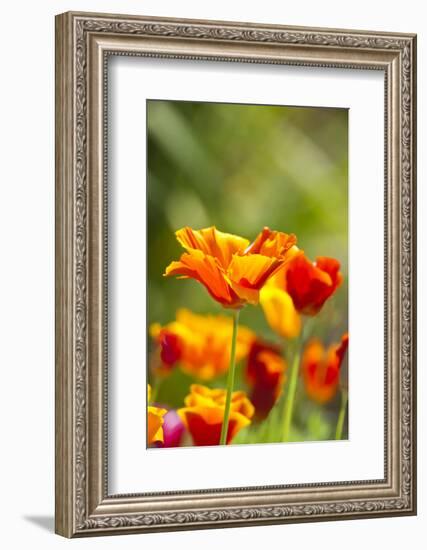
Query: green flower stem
x: 341, y: 415
x: 154, y: 390
x: 230, y: 379
x: 293, y: 379
x: 290, y: 396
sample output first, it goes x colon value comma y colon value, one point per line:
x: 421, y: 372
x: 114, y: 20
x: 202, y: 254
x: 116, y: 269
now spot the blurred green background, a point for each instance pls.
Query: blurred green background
x: 241, y: 167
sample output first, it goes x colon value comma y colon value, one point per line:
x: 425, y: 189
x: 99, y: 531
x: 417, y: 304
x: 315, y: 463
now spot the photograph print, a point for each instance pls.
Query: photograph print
x: 247, y: 267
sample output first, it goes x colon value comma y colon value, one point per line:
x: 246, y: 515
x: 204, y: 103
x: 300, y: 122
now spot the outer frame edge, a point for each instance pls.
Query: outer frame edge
x: 64, y: 382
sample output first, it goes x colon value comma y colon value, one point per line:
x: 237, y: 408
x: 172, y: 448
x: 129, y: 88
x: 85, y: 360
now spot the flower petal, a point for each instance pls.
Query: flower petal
x: 309, y: 284
x: 155, y: 422
x: 204, y: 424
x: 331, y: 266
x: 200, y: 343
x: 321, y: 369
x: 173, y: 430
x: 272, y: 243
x: 207, y: 397
x: 265, y: 373
x: 197, y: 265
x: 249, y: 273
x: 280, y: 312
x: 212, y: 242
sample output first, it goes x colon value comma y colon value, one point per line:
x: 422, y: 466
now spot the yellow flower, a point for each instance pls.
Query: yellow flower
x: 280, y: 312
x: 204, y: 413
x: 154, y: 421
x: 200, y: 343
x: 231, y: 269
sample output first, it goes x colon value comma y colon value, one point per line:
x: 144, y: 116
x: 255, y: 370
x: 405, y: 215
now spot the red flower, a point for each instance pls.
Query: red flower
x: 171, y: 348
x: 203, y: 414
x: 309, y: 284
x: 265, y: 372
x: 321, y: 369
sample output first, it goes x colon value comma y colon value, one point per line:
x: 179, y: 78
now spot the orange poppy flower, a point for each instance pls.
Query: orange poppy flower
x: 232, y: 270
x: 265, y: 373
x: 321, y: 369
x: 154, y: 421
x: 200, y: 343
x: 308, y: 283
x: 203, y: 414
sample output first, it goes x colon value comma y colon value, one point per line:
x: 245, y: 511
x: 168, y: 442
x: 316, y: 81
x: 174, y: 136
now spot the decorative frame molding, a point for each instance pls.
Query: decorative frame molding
x: 83, y: 43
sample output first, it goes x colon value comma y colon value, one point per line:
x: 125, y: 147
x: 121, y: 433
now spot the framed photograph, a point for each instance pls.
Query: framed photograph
x: 235, y: 274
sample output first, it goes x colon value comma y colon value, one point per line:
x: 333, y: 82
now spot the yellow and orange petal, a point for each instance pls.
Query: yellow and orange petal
x: 212, y: 242
x: 248, y: 274
x: 308, y: 283
x: 280, y: 312
x: 321, y: 369
x: 203, y: 396
x: 274, y: 244
x: 232, y: 270
x: 155, y: 424
x: 200, y: 344
x: 207, y: 271
x: 204, y: 412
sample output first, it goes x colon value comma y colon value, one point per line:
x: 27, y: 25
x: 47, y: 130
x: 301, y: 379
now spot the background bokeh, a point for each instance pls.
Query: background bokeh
x: 241, y: 167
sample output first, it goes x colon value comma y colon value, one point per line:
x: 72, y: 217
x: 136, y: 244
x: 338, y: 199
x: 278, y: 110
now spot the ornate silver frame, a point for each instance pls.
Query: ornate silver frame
x: 83, y: 42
